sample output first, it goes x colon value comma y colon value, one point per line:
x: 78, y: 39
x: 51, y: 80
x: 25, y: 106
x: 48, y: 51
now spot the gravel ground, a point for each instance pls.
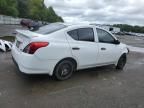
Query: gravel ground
x: 132, y: 40
x: 103, y: 87
x: 8, y: 30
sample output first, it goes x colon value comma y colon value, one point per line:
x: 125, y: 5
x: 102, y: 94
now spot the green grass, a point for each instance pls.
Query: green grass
x: 8, y: 38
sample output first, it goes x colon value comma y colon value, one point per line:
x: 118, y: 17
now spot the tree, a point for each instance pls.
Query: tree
x: 51, y: 16
x: 3, y: 5
x: 33, y: 9
x: 9, y: 7
x: 38, y: 11
x: 129, y: 28
x: 23, y: 8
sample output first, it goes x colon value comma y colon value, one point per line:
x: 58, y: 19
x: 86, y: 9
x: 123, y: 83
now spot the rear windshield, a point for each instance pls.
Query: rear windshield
x: 50, y: 28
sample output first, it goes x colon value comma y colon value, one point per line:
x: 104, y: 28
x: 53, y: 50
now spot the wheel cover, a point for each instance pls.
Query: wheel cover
x: 65, y: 70
x: 122, y: 62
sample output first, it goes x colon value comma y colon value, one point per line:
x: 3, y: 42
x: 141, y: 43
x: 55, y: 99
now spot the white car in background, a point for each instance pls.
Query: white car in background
x: 59, y: 49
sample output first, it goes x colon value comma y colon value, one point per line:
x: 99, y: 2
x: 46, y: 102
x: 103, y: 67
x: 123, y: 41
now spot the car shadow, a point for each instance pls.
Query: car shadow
x: 93, y: 72
x: 42, y: 84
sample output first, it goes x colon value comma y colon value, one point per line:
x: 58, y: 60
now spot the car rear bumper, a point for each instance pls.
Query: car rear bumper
x: 30, y: 64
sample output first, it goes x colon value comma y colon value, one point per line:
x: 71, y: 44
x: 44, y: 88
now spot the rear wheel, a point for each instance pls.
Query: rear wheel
x: 121, y: 62
x: 64, y: 70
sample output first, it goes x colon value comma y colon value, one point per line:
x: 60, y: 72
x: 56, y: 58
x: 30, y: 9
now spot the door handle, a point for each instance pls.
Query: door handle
x: 103, y: 48
x: 75, y: 48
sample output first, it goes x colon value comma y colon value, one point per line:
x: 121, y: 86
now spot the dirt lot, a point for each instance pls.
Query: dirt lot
x: 103, y: 87
x: 8, y: 30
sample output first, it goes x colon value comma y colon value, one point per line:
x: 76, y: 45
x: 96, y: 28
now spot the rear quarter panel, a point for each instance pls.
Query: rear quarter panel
x: 57, y: 49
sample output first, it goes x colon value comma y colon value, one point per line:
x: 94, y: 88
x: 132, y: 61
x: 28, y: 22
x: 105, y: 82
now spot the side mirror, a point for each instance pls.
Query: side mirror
x: 117, y: 42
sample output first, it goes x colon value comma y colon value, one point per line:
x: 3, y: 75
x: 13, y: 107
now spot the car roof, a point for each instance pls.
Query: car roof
x: 71, y: 25
x: 81, y: 25
x: 77, y: 24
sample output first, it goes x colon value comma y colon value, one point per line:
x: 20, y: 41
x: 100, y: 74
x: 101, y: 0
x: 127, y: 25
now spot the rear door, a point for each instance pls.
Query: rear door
x: 108, y: 51
x: 83, y: 46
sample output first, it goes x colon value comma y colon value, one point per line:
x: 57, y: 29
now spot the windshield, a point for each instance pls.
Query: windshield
x: 50, y: 28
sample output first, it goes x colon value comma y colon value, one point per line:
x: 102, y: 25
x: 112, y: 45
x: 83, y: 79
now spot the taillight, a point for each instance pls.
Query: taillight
x: 32, y: 47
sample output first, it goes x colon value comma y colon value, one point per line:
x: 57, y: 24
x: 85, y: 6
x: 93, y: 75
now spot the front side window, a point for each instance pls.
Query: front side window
x: 104, y: 37
x: 82, y: 34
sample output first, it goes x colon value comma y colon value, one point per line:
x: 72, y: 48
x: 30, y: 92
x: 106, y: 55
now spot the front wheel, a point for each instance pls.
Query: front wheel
x: 121, y: 62
x: 64, y: 70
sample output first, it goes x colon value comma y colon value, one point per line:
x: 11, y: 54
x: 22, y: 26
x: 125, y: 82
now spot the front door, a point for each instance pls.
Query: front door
x: 108, y: 51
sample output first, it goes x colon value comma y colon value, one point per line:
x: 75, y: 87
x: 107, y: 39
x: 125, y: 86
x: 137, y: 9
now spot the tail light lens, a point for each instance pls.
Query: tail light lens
x: 32, y: 47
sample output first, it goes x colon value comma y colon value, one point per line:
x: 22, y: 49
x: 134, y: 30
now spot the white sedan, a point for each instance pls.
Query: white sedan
x: 59, y: 49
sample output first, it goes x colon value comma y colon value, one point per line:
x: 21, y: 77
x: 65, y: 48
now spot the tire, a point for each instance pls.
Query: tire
x: 7, y: 47
x: 121, y: 62
x: 64, y: 70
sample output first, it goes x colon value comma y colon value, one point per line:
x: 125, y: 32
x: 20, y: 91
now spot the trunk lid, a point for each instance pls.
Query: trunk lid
x: 23, y: 38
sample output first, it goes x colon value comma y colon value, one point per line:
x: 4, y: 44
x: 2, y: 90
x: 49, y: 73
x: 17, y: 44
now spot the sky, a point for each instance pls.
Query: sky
x: 100, y: 11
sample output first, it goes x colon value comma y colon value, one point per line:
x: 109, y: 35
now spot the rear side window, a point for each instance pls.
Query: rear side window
x: 73, y: 34
x: 82, y: 34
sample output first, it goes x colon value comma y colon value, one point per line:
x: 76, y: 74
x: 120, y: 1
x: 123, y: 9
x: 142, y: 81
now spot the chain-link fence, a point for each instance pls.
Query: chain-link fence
x: 8, y: 25
x: 9, y: 20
